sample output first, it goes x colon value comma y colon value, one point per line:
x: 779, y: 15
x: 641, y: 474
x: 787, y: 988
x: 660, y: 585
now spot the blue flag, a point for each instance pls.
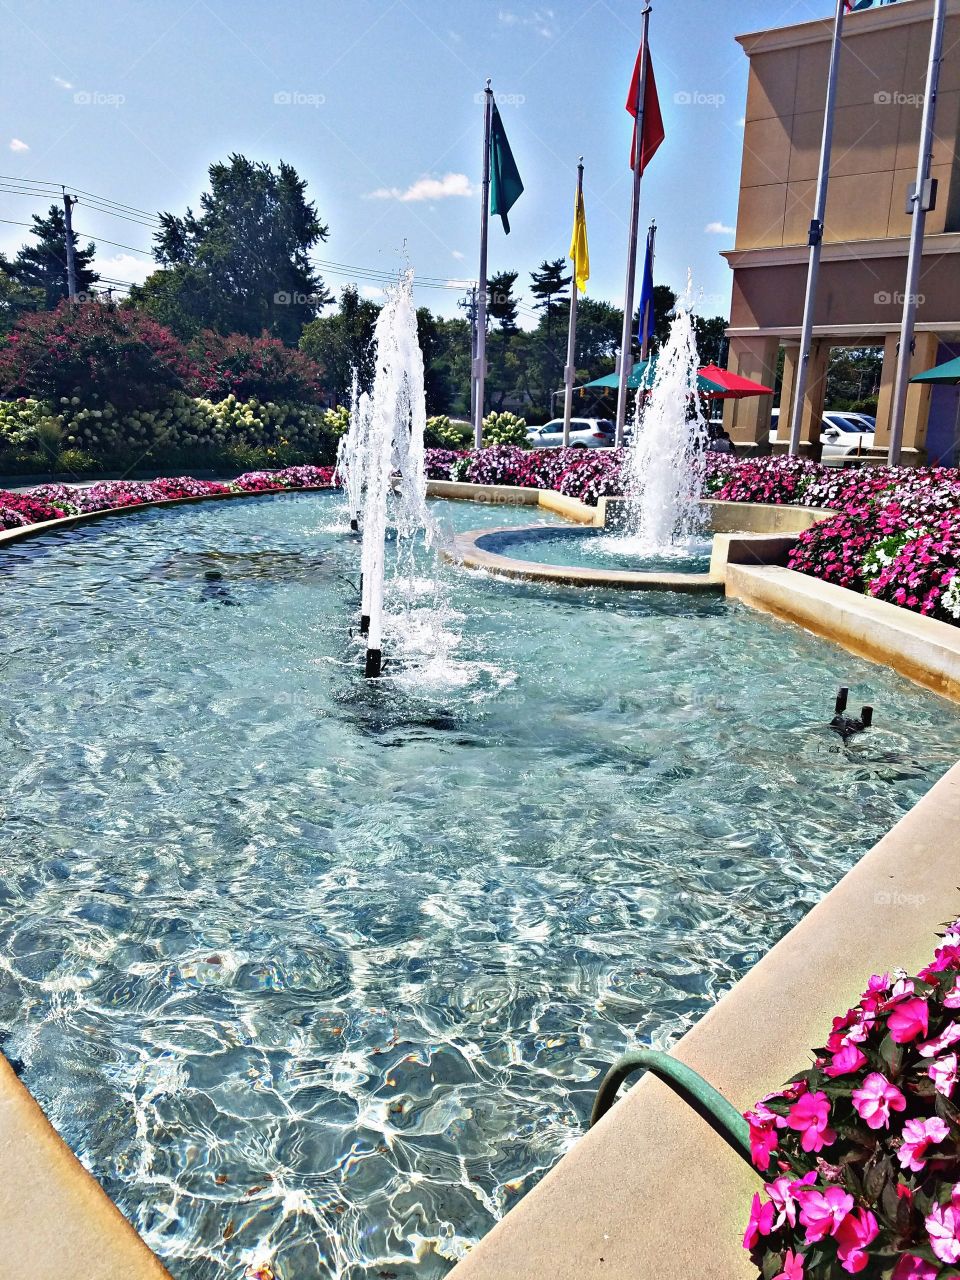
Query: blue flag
x: 645, y: 331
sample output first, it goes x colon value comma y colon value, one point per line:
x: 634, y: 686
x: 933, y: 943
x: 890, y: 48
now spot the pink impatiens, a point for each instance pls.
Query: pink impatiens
x: 876, y: 1098
x: 810, y: 1116
x: 918, y: 1135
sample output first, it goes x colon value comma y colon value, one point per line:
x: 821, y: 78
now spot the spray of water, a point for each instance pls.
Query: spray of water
x: 666, y: 461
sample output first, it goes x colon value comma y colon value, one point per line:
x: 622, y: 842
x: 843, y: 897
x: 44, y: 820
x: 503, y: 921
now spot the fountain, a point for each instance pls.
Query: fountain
x: 381, y: 460
x: 665, y: 466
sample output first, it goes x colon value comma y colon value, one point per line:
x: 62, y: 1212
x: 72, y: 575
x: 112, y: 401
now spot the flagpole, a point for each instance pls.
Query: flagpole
x: 480, y: 363
x: 626, y: 344
x: 570, y: 370
x: 815, y: 239
x: 915, y: 260
x: 644, y: 319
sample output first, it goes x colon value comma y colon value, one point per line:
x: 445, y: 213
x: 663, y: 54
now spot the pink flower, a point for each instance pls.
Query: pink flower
x: 855, y: 1232
x: 810, y: 1116
x: 952, y: 999
x: 783, y: 1196
x: 763, y: 1135
x: 911, y: 1268
x: 948, y: 1036
x: 822, y: 1212
x: 792, y: 1266
x: 909, y: 1019
x: 876, y: 1098
x: 760, y: 1223
x: 845, y: 1061
x: 943, y: 1073
x: 943, y: 1228
x: 917, y: 1136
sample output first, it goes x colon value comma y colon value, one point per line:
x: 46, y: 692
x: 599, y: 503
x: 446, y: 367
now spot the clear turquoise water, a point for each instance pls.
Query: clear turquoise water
x: 324, y: 972
x: 597, y: 549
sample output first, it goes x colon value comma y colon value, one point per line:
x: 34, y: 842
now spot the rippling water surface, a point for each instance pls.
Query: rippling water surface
x: 598, y: 549
x: 319, y: 972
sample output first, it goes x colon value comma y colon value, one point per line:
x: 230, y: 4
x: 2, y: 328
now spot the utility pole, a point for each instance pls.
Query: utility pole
x: 469, y: 305
x: 68, y: 203
x: 815, y: 239
x: 920, y: 201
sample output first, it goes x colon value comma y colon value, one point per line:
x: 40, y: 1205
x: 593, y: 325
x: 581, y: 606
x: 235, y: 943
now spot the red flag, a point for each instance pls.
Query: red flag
x: 653, y: 133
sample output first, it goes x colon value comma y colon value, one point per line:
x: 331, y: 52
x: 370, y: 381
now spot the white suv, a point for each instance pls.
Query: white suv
x: 585, y: 433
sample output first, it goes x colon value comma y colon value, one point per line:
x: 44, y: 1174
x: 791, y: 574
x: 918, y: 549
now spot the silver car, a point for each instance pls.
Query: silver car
x: 585, y: 433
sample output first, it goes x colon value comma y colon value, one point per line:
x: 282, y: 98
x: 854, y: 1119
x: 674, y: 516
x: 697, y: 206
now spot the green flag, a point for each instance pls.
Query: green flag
x: 505, y: 184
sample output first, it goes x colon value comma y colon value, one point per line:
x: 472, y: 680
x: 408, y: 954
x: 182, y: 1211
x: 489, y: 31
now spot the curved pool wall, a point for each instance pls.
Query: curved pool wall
x: 239, y: 906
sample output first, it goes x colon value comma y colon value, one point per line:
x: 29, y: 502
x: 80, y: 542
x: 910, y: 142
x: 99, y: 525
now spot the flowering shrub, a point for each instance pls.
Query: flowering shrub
x: 18, y: 509
x: 505, y: 428
x: 780, y: 481
x: 862, y: 1151
x: 253, y: 369
x: 92, y: 353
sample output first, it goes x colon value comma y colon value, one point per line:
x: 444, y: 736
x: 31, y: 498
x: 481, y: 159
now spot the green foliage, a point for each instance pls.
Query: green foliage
x: 853, y: 378
x: 43, y: 266
x: 242, y: 265
x: 505, y: 428
x: 337, y: 421
x: 342, y: 343
x: 248, y: 368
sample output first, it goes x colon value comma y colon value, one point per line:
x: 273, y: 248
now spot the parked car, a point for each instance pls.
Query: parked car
x: 585, y: 433
x: 843, y: 435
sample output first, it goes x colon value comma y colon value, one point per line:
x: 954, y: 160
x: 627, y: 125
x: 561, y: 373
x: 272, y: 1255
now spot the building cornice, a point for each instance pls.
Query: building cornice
x: 903, y: 13
x: 841, y: 333
x: 846, y: 251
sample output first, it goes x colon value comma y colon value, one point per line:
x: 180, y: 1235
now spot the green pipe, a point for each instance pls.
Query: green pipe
x: 712, y: 1106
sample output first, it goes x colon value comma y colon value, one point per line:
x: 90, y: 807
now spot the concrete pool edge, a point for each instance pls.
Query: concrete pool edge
x: 651, y: 1193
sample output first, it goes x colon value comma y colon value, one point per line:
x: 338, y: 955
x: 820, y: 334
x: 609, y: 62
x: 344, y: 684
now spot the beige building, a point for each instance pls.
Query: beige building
x: 860, y: 295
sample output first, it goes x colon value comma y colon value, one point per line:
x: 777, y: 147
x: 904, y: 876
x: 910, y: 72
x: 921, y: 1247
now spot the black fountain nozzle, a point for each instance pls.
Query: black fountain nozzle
x: 355, y: 525
x: 846, y: 726
x: 374, y: 664
x: 364, y: 623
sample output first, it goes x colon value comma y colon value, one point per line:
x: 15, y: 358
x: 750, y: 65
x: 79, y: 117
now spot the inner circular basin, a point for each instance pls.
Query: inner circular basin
x: 601, y: 549
x: 322, y: 971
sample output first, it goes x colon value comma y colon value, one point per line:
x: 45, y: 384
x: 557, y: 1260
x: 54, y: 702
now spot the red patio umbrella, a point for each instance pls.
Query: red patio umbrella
x: 724, y: 385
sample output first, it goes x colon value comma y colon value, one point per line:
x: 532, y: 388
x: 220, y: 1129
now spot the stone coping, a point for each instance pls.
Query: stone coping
x: 652, y: 1193
x: 482, y: 549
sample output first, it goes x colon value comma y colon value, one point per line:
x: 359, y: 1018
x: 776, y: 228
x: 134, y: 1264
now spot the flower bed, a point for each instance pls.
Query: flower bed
x: 51, y: 501
x: 862, y: 1151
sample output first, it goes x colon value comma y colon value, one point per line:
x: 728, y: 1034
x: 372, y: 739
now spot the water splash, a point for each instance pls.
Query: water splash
x: 666, y: 463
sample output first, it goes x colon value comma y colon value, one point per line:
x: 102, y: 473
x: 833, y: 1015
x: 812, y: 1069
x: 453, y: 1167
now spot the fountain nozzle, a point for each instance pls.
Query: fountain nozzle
x: 374, y: 664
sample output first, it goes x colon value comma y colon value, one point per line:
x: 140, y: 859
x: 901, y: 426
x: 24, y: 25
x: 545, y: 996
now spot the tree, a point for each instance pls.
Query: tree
x: 711, y: 340
x: 261, y: 368
x: 502, y: 305
x: 599, y: 330
x: 549, y: 286
x: 342, y: 343
x: 446, y: 361
x: 43, y: 266
x: 15, y: 300
x: 243, y: 264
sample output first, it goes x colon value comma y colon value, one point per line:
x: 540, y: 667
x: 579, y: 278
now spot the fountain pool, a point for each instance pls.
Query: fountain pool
x: 320, y: 972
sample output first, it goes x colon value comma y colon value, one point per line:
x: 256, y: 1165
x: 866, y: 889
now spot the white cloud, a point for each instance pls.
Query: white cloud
x: 61, y: 83
x: 371, y: 291
x: 451, y: 184
x: 455, y: 253
x: 719, y: 229
x: 17, y: 145
x: 539, y: 20
x: 124, y: 266
x: 459, y: 284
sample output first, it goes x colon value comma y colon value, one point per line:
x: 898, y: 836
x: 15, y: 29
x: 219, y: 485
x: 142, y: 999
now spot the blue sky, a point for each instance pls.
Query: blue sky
x: 377, y: 104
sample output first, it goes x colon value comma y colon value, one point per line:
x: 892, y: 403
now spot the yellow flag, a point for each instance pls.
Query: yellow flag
x: 579, y: 249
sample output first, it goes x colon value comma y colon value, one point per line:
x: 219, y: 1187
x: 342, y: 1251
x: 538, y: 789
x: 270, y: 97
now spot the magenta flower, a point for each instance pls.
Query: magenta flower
x: 763, y: 1135
x: 855, y: 1233
x: 917, y: 1136
x: 910, y: 1018
x: 876, y: 1098
x: 943, y: 1073
x: 760, y: 1223
x: 845, y: 1061
x: 822, y: 1212
x: 912, y: 1268
x: 943, y: 1228
x: 952, y: 999
x: 948, y: 1036
x: 810, y: 1116
x: 792, y: 1267
x: 783, y: 1196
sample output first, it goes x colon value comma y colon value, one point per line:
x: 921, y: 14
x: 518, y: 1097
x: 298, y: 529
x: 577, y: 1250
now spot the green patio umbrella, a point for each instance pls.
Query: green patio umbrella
x: 943, y: 373
x: 612, y: 380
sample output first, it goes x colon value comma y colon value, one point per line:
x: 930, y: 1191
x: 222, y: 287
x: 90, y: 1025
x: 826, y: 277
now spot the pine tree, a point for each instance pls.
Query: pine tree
x: 43, y: 266
x: 550, y: 287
